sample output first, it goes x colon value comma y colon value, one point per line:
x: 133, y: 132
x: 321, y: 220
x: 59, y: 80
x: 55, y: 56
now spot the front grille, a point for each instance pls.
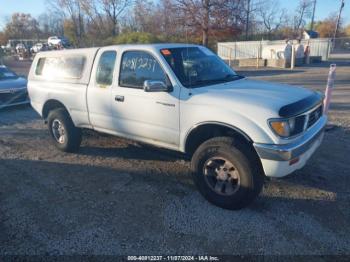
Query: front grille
x: 314, y: 116
x: 299, y: 125
x: 9, y: 98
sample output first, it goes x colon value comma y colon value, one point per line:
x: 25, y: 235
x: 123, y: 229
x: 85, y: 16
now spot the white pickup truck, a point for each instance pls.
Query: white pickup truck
x: 184, y: 98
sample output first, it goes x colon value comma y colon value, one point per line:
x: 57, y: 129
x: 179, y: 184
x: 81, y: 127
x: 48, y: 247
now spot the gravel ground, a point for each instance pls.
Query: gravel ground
x: 119, y: 197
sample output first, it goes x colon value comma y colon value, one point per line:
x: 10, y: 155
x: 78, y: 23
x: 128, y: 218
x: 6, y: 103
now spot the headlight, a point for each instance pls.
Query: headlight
x: 287, y: 127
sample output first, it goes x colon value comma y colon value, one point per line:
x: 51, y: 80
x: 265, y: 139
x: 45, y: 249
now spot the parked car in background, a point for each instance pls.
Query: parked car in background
x: 185, y: 98
x: 347, y: 45
x: 56, y: 41
x: 8, y: 49
x: 53, y: 40
x: 20, y: 48
x: 13, y: 88
x: 38, y: 47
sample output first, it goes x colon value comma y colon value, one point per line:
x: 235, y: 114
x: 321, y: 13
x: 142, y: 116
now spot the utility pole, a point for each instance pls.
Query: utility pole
x: 247, y: 19
x: 313, y: 16
x: 338, y: 21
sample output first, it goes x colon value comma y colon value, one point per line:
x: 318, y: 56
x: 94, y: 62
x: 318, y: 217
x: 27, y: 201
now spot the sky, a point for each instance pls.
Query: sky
x: 37, y: 7
x: 323, y: 8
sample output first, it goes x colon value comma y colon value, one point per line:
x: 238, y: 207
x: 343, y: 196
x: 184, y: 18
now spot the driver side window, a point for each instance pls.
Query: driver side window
x: 137, y: 67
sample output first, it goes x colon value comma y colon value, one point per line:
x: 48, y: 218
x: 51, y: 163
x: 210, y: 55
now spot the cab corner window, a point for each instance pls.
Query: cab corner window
x: 137, y: 67
x: 105, y: 69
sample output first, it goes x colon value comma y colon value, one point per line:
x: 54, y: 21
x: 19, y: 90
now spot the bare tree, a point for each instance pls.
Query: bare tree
x: 51, y: 23
x: 303, y: 11
x: 167, y: 15
x: 102, y: 16
x: 250, y: 7
x: 95, y: 18
x: 326, y: 27
x: 201, y: 14
x: 196, y: 13
x: 72, y: 10
x: 113, y: 9
x: 145, y: 15
x: 22, y: 26
x: 272, y: 16
x: 95, y: 22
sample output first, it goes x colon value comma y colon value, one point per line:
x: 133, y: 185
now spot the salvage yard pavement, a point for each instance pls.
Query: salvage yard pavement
x: 120, y: 197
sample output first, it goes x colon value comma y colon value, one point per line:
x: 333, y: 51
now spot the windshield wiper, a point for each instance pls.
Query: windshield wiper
x: 233, y: 77
x: 227, y: 78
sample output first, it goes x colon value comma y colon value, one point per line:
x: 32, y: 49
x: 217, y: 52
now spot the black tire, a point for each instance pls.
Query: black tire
x: 243, y: 182
x: 71, y: 135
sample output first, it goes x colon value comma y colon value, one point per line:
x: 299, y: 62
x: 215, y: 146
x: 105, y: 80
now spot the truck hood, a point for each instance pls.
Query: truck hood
x: 280, y: 99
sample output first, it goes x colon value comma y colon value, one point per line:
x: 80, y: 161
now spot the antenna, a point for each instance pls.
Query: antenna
x: 338, y: 21
x: 187, y: 49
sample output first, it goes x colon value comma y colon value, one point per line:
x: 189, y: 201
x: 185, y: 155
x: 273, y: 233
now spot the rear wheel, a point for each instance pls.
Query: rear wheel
x: 227, y: 172
x: 65, y: 135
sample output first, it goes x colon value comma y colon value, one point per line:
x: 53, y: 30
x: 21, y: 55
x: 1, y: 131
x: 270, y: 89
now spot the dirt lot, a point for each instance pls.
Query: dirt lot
x: 119, y: 197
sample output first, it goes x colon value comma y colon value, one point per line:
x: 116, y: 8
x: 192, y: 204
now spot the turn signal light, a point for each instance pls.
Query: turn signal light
x: 281, y: 128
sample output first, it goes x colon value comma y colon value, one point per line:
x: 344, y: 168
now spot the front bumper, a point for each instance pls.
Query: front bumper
x: 276, y: 158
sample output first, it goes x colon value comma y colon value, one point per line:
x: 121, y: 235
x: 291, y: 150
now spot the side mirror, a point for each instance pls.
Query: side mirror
x: 155, y: 86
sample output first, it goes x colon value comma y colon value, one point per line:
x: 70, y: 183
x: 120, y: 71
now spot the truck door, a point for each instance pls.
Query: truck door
x: 100, y: 90
x: 149, y: 116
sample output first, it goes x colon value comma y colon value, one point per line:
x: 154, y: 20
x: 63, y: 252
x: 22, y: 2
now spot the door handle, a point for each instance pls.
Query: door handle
x: 119, y: 98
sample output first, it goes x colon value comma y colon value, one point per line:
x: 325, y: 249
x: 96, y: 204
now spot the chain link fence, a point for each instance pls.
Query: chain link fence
x: 341, y: 45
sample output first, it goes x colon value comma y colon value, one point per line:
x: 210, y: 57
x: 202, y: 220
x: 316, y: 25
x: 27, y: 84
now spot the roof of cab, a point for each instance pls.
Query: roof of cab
x: 123, y: 46
x: 157, y: 46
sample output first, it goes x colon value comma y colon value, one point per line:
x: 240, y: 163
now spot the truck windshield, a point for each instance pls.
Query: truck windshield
x: 197, y: 66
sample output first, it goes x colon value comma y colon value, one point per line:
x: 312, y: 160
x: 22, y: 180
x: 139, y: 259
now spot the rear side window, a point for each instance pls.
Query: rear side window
x: 138, y: 66
x: 105, y: 69
x: 58, y: 68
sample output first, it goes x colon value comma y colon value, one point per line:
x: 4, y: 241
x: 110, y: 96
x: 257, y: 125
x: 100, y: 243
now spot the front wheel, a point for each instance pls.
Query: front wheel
x: 65, y: 135
x: 227, y: 173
